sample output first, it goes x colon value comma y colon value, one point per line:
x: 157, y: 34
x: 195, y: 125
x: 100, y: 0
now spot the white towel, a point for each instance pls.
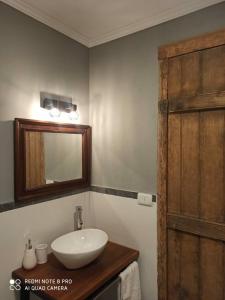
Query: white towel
x: 130, y: 283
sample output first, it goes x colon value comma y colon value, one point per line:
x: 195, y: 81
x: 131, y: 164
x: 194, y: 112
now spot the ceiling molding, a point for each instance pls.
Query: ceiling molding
x: 47, y: 20
x: 190, y: 6
x: 151, y: 21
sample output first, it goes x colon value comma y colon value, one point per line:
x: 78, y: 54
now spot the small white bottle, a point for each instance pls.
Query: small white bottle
x: 29, y: 259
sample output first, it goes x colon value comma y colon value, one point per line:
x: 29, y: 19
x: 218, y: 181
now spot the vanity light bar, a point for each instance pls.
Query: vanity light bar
x: 62, y: 103
x: 57, y: 104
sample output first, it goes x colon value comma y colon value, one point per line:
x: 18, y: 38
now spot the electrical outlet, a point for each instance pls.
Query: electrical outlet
x: 145, y: 199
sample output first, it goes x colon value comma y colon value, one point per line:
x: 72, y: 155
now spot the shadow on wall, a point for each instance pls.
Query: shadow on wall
x: 6, y: 162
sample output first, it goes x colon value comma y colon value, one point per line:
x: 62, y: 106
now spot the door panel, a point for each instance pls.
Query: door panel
x: 196, y: 73
x: 196, y: 267
x: 174, y: 253
x: 174, y: 163
x: 196, y: 152
x: 183, y: 258
x: 212, y: 139
x: 180, y: 83
x: 174, y: 78
x: 213, y: 71
x: 212, y: 269
x: 189, y: 269
x: 190, y: 166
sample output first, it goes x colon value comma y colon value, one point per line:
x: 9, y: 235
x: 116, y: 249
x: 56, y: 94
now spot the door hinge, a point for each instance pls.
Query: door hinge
x: 163, y: 106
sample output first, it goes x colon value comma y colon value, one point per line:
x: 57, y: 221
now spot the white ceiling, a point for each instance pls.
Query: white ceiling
x: 93, y: 22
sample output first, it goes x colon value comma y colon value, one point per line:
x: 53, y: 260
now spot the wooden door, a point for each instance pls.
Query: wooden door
x: 191, y: 164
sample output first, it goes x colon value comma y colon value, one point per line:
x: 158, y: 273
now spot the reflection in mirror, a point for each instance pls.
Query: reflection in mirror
x: 52, y: 157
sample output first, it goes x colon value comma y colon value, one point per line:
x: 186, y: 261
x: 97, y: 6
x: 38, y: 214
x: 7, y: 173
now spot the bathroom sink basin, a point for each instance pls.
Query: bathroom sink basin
x: 78, y: 248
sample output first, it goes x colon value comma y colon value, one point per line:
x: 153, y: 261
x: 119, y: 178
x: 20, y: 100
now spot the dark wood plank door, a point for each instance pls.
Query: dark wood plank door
x: 191, y: 181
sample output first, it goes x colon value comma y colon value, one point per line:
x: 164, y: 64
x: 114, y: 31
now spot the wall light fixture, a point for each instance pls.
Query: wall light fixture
x: 57, y: 104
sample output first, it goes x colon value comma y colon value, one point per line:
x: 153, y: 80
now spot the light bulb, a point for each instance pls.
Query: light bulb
x: 73, y: 115
x: 54, y: 112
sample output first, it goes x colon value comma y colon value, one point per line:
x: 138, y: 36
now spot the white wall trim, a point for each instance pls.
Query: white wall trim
x: 152, y: 20
x: 47, y: 20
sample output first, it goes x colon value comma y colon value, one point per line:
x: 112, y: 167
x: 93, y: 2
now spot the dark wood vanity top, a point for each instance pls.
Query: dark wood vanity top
x: 85, y: 281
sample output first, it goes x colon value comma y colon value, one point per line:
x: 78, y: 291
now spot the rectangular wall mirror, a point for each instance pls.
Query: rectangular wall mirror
x: 50, y: 158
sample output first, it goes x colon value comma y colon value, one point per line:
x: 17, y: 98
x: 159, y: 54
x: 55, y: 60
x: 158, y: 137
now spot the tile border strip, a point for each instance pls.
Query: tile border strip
x: 98, y: 189
x: 115, y: 192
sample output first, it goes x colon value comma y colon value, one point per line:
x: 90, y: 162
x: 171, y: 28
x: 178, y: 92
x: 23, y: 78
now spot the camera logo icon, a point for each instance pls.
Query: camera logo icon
x: 15, y: 284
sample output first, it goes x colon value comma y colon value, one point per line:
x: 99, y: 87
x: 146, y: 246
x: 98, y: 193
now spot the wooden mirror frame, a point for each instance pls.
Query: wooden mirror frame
x: 59, y: 188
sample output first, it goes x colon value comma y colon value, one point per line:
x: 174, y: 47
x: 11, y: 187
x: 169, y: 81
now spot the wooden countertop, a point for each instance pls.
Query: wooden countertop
x: 84, y: 281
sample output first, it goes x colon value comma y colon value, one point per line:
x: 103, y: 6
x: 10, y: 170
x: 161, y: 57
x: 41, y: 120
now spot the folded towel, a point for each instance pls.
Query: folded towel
x: 130, y: 283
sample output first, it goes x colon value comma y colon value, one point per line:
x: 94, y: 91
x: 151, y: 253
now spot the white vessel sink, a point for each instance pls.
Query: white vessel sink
x: 78, y: 248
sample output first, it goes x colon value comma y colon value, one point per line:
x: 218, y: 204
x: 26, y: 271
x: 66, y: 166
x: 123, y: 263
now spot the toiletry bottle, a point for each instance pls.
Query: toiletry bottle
x: 29, y: 259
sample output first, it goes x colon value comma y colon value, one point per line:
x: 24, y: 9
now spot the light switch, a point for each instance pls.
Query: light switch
x: 146, y: 199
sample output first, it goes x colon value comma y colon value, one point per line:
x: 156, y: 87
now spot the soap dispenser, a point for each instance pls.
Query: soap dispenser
x: 29, y: 259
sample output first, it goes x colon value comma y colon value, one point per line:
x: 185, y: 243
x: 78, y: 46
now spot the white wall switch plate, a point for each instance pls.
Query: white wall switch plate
x: 146, y: 199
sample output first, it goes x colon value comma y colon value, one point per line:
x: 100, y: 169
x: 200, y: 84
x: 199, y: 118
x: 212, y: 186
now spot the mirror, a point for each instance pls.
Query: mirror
x: 51, y: 158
